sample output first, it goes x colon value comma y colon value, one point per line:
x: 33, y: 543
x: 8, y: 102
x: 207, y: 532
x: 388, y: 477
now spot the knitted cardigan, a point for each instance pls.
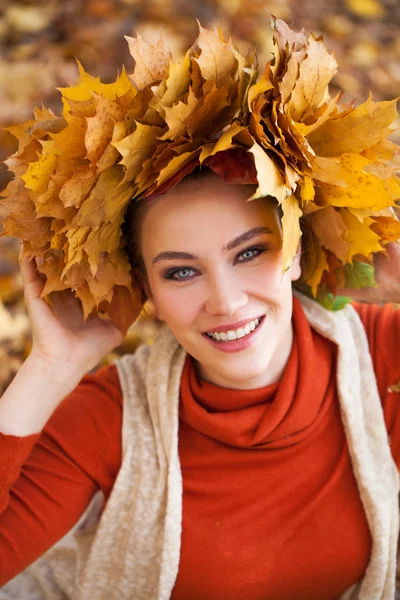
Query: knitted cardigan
x: 132, y: 550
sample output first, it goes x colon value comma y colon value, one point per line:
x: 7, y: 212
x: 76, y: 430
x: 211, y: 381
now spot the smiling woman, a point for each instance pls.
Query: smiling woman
x: 212, y: 262
x: 252, y: 451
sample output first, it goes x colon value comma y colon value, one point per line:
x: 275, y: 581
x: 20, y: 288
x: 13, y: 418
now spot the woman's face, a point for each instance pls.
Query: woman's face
x: 213, y: 263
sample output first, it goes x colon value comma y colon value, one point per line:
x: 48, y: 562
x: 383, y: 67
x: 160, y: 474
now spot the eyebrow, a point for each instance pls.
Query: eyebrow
x: 244, y: 237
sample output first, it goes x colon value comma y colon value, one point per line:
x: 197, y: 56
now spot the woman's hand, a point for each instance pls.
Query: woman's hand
x: 60, y: 338
x: 387, y: 277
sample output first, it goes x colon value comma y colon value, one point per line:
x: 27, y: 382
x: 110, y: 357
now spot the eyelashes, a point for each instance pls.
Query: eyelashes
x: 252, y: 253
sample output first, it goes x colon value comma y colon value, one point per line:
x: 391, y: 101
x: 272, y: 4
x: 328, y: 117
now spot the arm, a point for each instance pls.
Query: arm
x: 382, y: 326
x: 48, y: 479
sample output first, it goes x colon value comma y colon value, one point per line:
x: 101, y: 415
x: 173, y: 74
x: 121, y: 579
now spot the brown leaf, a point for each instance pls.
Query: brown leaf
x: 311, y: 88
x: 330, y: 229
x: 124, y: 307
x: 151, y: 62
x: 105, y: 201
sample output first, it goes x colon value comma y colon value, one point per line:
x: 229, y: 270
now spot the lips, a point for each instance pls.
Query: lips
x: 232, y: 326
x: 238, y: 344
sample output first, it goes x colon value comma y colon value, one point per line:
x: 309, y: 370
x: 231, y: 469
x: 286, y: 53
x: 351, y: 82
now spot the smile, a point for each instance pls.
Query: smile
x: 234, y: 334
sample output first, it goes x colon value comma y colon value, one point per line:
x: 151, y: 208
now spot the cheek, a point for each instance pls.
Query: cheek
x: 272, y: 278
x: 178, y: 307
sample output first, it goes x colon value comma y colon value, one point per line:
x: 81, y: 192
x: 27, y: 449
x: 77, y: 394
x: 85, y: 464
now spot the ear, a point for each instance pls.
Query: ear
x: 145, y: 286
x: 295, y: 269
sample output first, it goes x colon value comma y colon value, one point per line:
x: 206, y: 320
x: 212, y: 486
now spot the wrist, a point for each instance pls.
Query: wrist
x: 32, y: 397
x: 57, y: 373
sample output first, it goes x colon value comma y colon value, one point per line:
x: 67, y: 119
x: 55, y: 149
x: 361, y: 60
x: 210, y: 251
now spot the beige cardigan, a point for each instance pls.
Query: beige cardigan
x: 133, y: 551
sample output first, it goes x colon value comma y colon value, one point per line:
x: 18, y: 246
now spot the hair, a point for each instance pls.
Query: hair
x: 137, y: 210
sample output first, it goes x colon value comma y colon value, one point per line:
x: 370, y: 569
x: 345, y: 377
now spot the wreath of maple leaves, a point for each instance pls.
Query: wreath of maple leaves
x: 331, y: 166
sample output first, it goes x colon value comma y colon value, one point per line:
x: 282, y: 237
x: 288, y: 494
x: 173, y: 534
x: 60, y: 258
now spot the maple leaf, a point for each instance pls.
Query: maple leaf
x: 345, y: 182
x: 291, y: 232
x: 124, y: 307
x: 136, y: 148
x: 330, y: 229
x: 327, y: 165
x: 270, y: 178
x: 217, y: 60
x: 354, y: 131
x: 311, y: 87
x: 359, y: 275
x: 360, y: 236
x: 176, y: 84
x: 151, y: 62
x: 320, y: 266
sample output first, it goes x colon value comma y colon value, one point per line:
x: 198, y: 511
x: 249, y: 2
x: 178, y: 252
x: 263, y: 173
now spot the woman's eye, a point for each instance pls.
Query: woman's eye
x: 179, y: 274
x: 250, y: 253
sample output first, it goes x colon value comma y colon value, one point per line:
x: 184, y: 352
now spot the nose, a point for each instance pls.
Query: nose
x: 225, y: 294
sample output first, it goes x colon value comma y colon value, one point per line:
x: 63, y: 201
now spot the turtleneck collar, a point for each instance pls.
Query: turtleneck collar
x: 277, y: 415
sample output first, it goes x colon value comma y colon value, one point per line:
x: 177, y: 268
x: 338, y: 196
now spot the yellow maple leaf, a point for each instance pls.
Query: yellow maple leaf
x: 176, y: 116
x: 87, y: 85
x: 291, y: 231
x: 262, y: 85
x: 106, y: 239
x: 175, y: 165
x: 225, y: 142
x: 38, y: 173
x: 270, y: 178
x: 137, y: 147
x: 344, y: 182
x: 321, y: 265
x: 177, y: 83
x: 388, y: 228
x: 355, y: 131
x: 359, y: 235
x: 307, y: 189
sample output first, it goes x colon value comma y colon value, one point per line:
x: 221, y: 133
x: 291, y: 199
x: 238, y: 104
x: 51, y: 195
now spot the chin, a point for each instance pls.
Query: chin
x: 254, y: 374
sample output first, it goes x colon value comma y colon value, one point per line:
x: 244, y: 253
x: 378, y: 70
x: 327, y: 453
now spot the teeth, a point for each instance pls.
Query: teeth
x: 234, y: 334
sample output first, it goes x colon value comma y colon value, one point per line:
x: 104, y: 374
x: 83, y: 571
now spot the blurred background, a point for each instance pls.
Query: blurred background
x: 40, y: 39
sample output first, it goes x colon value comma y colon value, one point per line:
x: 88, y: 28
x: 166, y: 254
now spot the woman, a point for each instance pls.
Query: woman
x: 247, y: 466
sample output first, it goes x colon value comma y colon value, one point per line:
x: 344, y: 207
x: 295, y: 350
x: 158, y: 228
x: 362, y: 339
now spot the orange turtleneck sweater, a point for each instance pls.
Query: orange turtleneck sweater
x: 271, y: 508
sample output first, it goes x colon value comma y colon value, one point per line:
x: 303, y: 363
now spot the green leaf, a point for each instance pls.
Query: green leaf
x: 324, y: 298
x: 359, y: 275
x: 332, y: 302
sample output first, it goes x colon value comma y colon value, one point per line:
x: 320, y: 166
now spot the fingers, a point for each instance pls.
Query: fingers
x: 33, y: 281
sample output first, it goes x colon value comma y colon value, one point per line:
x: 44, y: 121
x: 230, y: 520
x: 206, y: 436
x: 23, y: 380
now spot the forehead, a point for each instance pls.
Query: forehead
x: 195, y: 213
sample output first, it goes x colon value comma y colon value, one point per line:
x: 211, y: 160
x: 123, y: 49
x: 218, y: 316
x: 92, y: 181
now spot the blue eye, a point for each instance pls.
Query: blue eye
x: 250, y: 253
x: 187, y: 273
x: 179, y: 274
